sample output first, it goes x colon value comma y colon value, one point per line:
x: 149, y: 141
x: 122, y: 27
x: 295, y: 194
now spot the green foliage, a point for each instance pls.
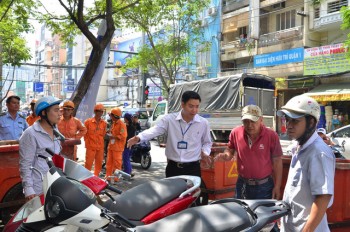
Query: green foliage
x: 345, y: 12
x: 167, y: 25
x: 14, y: 16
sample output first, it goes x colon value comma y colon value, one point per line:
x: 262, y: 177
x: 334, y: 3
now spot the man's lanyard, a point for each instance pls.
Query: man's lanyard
x: 182, y: 132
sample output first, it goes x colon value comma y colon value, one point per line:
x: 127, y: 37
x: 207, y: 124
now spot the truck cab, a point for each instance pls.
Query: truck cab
x: 159, y: 112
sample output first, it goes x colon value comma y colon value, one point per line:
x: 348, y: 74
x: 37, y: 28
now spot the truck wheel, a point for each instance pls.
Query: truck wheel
x: 14, y: 194
x: 146, y: 161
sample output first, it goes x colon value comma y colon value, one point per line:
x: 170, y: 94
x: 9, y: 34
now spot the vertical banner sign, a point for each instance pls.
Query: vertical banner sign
x: 86, y: 106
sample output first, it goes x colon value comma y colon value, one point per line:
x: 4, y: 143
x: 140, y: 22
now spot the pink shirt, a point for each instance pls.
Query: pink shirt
x: 255, y: 161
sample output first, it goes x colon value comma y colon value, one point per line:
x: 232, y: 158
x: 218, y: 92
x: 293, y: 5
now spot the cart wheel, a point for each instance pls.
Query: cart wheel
x: 203, y: 197
x: 146, y: 161
x: 14, y: 194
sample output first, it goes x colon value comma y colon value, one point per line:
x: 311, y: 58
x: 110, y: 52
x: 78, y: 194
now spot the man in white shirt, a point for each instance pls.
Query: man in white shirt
x: 188, y: 136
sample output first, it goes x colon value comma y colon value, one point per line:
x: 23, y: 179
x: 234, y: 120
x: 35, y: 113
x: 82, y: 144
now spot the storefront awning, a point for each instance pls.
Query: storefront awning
x: 331, y: 92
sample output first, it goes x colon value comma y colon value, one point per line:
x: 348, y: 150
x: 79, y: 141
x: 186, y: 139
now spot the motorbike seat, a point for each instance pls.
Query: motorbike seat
x: 220, y: 217
x: 138, y: 202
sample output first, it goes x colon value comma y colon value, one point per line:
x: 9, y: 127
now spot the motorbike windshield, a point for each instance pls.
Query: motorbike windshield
x: 28, y: 208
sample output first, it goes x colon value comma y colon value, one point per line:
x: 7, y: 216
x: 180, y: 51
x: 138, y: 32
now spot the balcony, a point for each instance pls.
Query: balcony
x: 237, y: 49
x: 230, y: 6
x: 283, y: 36
x: 327, y: 21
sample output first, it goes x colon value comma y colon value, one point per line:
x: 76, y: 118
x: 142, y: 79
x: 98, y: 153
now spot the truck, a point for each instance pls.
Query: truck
x: 222, y: 100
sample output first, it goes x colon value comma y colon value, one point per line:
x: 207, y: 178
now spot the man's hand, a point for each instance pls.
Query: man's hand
x: 223, y: 157
x: 276, y: 193
x: 207, y: 161
x: 28, y: 198
x: 132, y: 141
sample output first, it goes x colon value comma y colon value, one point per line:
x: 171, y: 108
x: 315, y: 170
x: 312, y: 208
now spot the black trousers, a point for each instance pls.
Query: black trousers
x: 174, y: 169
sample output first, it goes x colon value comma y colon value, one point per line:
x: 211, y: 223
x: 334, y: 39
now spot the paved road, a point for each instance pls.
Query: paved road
x: 155, y: 172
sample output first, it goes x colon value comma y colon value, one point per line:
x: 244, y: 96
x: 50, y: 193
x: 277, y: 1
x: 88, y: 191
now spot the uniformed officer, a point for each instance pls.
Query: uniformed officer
x: 117, y: 139
x: 12, y: 123
x: 32, y: 117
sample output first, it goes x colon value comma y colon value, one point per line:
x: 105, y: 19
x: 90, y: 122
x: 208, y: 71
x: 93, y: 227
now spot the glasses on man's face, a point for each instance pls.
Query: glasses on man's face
x: 115, y: 116
x: 98, y: 111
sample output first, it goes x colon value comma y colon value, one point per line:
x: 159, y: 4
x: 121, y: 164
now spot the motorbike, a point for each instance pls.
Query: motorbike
x: 140, y: 154
x: 156, y: 199
x: 71, y: 206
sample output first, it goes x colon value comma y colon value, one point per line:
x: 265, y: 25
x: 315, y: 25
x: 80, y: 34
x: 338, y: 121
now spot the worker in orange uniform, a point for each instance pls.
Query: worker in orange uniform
x: 117, y: 139
x: 71, y: 128
x: 94, y: 139
x: 32, y: 117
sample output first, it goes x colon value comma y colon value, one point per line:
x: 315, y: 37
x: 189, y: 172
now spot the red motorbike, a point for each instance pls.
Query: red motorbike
x: 153, y: 200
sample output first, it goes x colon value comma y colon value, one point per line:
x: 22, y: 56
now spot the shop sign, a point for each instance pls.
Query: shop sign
x: 299, y: 82
x: 279, y: 58
x: 325, y: 60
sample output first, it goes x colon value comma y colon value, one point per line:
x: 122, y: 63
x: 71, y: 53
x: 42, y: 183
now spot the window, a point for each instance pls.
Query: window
x: 203, y: 57
x: 317, y: 13
x: 285, y: 20
x: 160, y: 110
x: 335, y: 6
x: 344, y: 133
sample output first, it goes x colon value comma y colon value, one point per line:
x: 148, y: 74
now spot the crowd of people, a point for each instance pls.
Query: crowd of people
x: 257, y: 149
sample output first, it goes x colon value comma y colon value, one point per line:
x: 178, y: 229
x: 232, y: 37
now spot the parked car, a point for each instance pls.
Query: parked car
x: 143, y: 113
x: 341, y: 137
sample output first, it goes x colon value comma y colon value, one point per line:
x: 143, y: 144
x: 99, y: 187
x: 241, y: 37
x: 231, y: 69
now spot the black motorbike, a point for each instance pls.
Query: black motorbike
x: 140, y: 153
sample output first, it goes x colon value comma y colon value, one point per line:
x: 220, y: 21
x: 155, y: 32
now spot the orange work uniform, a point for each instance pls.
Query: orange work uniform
x: 116, y: 147
x: 72, y: 128
x: 94, y: 143
x: 31, y: 119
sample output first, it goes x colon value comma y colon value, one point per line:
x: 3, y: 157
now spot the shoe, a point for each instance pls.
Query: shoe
x: 132, y: 174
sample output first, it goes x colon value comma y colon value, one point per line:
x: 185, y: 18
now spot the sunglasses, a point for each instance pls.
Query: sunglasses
x: 115, y: 116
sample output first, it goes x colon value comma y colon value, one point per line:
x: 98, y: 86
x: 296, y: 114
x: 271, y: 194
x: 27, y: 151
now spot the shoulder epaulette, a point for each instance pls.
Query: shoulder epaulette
x: 22, y: 116
x: 2, y: 114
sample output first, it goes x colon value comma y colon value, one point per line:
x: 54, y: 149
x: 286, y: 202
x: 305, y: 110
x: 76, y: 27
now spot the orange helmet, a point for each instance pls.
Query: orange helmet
x: 116, y: 111
x: 33, y: 101
x: 68, y: 104
x: 99, y: 106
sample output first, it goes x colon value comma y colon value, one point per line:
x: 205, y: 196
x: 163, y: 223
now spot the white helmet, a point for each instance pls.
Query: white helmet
x: 299, y: 106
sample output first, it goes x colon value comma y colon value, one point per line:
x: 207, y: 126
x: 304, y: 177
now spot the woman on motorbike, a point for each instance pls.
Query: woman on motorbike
x: 34, y: 141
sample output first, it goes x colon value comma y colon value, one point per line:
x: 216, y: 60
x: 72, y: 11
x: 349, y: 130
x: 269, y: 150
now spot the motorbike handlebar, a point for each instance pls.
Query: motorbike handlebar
x: 114, y: 189
x: 49, y: 151
x: 48, y: 160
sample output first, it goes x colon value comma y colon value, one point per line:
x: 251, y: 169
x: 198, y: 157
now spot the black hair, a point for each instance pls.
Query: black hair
x: 8, y: 100
x: 188, y: 95
x: 310, y: 129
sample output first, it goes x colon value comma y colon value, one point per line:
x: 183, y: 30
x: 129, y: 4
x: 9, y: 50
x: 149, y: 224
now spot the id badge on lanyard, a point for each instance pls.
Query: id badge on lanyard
x: 183, y: 144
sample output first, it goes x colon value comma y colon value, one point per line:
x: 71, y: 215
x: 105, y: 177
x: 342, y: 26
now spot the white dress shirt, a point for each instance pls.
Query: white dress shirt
x: 196, y: 133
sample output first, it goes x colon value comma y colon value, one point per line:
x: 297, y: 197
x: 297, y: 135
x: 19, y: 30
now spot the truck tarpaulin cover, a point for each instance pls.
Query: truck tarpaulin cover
x: 218, y: 94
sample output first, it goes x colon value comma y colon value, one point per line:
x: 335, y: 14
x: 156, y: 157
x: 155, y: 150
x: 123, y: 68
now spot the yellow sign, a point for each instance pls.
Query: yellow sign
x: 233, y: 170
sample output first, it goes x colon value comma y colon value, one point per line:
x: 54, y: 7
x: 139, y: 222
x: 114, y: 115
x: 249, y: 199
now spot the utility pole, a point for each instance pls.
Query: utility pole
x: 141, y: 75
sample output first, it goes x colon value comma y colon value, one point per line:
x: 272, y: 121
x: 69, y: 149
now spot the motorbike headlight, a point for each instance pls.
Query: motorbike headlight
x: 53, y: 208
x: 87, y: 191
